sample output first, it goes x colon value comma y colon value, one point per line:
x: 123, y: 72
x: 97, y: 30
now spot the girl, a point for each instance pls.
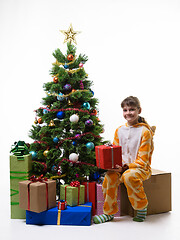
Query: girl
x: 136, y: 139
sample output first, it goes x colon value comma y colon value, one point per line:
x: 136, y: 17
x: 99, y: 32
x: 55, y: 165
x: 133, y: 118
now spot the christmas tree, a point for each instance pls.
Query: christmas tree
x: 67, y: 127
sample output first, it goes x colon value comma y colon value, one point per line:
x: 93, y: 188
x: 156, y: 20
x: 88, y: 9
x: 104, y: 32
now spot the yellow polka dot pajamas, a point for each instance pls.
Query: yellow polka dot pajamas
x: 137, y: 148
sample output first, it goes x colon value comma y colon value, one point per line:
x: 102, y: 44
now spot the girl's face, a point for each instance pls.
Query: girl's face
x: 131, y: 114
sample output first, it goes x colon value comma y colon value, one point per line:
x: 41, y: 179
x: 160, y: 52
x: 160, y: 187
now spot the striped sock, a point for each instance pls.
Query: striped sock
x: 141, y: 215
x: 102, y: 218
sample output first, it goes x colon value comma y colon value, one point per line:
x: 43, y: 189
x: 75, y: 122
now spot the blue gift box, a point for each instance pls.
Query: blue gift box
x: 78, y: 215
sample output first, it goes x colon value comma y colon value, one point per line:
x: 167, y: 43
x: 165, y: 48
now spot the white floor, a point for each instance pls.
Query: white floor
x: 161, y: 226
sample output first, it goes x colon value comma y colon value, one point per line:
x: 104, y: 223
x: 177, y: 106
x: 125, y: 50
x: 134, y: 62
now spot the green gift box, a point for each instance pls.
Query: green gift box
x: 19, y: 170
x: 72, y: 195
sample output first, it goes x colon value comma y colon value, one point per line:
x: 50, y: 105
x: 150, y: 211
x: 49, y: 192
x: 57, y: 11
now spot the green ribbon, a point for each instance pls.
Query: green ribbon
x: 15, y: 192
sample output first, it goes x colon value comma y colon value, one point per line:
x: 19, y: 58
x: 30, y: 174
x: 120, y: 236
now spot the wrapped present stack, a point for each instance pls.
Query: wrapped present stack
x: 20, y: 165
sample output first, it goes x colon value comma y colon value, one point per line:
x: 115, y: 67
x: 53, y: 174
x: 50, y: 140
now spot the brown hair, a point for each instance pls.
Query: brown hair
x: 134, y: 102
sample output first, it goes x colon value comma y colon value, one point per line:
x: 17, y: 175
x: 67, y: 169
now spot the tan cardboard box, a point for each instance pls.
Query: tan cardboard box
x: 158, y: 191
x: 38, y: 195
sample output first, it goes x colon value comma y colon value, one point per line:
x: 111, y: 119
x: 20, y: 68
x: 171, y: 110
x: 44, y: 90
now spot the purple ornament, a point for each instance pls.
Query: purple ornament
x: 67, y: 87
x: 78, y: 136
x: 89, y: 122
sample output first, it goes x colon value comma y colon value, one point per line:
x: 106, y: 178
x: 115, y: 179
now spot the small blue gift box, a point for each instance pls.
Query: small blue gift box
x: 78, y: 215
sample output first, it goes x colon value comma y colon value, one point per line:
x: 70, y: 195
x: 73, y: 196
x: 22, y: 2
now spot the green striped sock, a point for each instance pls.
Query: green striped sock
x: 141, y: 215
x: 102, y: 218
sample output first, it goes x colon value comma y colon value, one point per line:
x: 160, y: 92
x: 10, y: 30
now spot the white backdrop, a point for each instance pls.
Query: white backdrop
x: 133, y: 49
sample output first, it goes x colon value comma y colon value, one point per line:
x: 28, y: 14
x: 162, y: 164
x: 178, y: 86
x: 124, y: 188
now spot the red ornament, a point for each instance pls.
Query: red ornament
x: 40, y: 120
x: 55, y: 80
x: 70, y: 57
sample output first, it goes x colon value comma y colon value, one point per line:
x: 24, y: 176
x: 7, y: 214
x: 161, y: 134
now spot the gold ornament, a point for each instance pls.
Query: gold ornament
x: 70, y: 35
x: 70, y: 103
x: 45, y: 153
x: 51, y: 124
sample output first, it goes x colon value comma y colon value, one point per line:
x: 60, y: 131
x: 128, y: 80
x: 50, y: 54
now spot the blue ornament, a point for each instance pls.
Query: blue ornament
x: 45, y: 111
x: 66, y: 66
x: 92, y: 92
x: 86, y: 105
x: 60, y: 97
x: 67, y: 87
x: 60, y: 114
x: 95, y: 176
x: 55, y: 140
x: 34, y: 154
x: 54, y: 168
x: 90, y: 145
x: 74, y: 143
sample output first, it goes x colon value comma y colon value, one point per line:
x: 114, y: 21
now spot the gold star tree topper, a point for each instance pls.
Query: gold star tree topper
x: 70, y: 35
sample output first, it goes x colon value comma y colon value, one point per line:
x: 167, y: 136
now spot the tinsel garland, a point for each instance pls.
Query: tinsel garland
x: 66, y: 109
x: 67, y: 95
x: 70, y: 138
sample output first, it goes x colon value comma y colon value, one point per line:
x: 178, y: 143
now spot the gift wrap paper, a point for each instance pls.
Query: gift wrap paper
x: 79, y: 216
x: 38, y: 195
x: 72, y: 194
x: 90, y: 194
x: 100, y: 200
x: 108, y: 156
x: 19, y: 169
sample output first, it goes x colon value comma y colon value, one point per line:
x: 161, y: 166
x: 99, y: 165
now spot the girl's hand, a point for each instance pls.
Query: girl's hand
x: 117, y: 169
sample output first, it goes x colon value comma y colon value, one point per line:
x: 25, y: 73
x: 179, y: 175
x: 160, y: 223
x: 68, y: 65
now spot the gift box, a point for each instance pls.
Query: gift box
x: 79, y: 216
x: 100, y: 200
x: 72, y: 195
x: 37, y: 196
x: 90, y: 194
x: 158, y: 192
x: 107, y: 156
x: 62, y: 205
x: 19, y: 171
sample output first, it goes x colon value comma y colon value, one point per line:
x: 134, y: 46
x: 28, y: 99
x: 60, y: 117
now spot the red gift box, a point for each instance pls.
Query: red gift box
x: 62, y: 205
x: 90, y: 194
x: 107, y: 156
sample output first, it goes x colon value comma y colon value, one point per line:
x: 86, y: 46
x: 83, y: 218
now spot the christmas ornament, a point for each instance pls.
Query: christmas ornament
x: 73, y: 157
x: 45, y: 153
x: 51, y: 124
x: 45, y: 111
x: 67, y: 87
x: 78, y: 136
x: 81, y: 85
x: 90, y: 145
x: 86, y: 105
x: 60, y: 115
x: 74, y: 118
x: 66, y: 66
x: 54, y: 168
x: 94, y: 111
x: 81, y: 65
x: 34, y: 154
x: 70, y: 34
x: 35, y: 121
x: 92, y: 92
x: 70, y: 57
x: 60, y: 97
x: 95, y: 176
x: 69, y: 103
x: 40, y: 120
x: 55, y: 140
x: 89, y: 122
x: 74, y: 143
x: 55, y: 80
